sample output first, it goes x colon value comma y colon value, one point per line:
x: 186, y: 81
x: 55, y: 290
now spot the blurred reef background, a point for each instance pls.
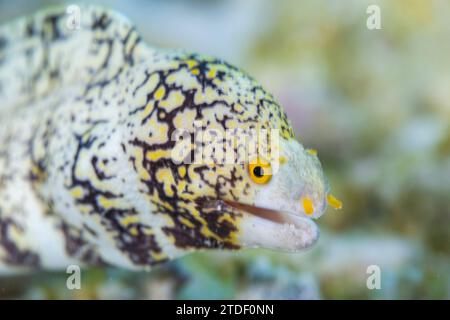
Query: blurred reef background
x: 376, y: 106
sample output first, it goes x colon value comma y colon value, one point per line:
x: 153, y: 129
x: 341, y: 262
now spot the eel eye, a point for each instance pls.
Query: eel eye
x: 260, y: 171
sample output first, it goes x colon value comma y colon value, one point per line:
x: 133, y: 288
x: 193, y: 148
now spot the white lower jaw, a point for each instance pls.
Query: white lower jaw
x: 294, y: 234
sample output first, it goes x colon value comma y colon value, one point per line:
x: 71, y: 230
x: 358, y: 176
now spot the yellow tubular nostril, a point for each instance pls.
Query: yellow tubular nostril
x: 334, y: 202
x: 308, y: 205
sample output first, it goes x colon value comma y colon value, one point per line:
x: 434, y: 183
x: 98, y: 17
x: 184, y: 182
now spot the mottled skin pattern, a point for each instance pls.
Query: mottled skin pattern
x: 86, y: 174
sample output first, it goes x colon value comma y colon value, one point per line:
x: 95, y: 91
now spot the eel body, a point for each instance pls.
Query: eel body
x: 87, y: 174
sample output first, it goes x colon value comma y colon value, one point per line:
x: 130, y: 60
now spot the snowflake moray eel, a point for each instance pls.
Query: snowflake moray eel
x: 86, y: 169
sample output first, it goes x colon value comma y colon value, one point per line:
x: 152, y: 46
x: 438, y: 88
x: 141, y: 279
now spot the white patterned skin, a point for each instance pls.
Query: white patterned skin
x: 86, y: 175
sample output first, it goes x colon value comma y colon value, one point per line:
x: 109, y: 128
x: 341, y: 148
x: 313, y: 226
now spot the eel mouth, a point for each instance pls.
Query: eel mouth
x: 272, y: 229
x: 267, y: 214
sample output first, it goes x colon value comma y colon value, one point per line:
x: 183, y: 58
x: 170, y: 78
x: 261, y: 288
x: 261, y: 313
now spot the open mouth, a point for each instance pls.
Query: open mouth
x: 271, y: 229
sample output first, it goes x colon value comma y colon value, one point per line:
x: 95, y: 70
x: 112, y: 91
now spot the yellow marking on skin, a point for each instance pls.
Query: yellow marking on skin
x: 149, y: 107
x: 334, y: 202
x: 233, y: 237
x: 110, y: 203
x: 143, y: 174
x: 86, y: 136
x: 147, y: 231
x: 207, y: 232
x: 134, y: 231
x: 36, y: 171
x: 159, y: 94
x: 104, y: 202
x: 158, y: 154
x: 191, y: 63
x: 158, y: 256
x: 232, y: 124
x: 174, y: 100
x: 77, y: 192
x: 167, y: 205
x: 186, y: 196
x: 226, y: 217
x: 187, y: 222
x: 308, y: 205
x: 171, y: 238
x: 181, y: 188
x: 129, y: 220
x: 238, y: 107
x: 102, y: 166
x: 211, y: 73
x: 165, y: 176
x: 182, y: 171
x: 312, y: 152
x: 158, y: 131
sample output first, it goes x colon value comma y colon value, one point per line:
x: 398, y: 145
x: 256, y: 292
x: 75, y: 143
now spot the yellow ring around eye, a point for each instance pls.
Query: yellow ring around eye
x: 260, y: 171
